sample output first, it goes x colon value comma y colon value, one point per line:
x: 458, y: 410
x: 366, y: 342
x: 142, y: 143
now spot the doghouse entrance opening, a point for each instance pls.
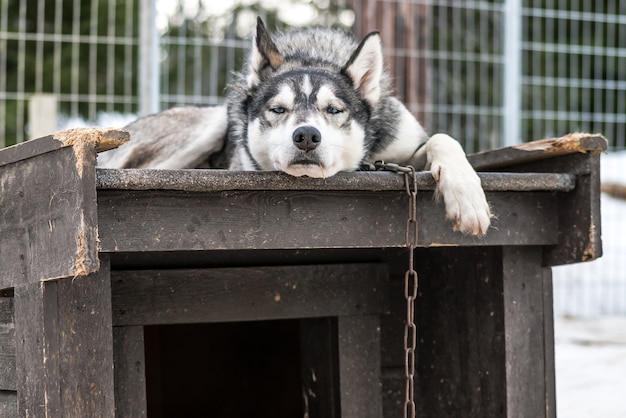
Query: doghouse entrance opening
x: 228, y: 370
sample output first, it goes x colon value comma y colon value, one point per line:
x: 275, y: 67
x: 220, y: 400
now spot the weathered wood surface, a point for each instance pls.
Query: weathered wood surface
x: 579, y: 217
x: 48, y: 227
x: 65, y: 347
x: 538, y: 150
x: 178, y: 221
x: 101, y: 139
x: 359, y: 366
x: 130, y: 372
x: 8, y: 386
x: 221, y: 180
x: 7, y: 345
x: 8, y: 405
x: 145, y: 297
x: 579, y: 211
x: 529, y: 359
x: 485, y: 344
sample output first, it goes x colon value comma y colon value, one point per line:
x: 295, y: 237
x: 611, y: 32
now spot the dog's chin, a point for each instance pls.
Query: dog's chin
x: 309, y: 168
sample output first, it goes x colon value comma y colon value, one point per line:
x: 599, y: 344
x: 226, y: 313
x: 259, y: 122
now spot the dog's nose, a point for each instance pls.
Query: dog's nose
x: 307, y: 138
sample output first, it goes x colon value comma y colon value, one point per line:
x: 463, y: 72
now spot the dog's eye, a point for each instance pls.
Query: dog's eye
x: 278, y: 110
x: 333, y: 110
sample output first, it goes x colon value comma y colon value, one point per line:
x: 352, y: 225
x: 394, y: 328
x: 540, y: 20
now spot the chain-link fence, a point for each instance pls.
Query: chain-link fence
x: 490, y: 73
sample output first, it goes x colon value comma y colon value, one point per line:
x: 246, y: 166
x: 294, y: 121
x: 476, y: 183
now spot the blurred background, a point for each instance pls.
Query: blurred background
x: 490, y: 73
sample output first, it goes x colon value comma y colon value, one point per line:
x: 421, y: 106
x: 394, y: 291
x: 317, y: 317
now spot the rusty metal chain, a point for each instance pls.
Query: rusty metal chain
x: 410, y: 282
x: 410, y: 294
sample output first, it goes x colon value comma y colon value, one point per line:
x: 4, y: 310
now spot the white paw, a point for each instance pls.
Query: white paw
x: 463, y: 196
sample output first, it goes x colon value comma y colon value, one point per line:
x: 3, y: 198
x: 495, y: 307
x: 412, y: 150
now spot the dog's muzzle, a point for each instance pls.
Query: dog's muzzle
x: 307, y: 138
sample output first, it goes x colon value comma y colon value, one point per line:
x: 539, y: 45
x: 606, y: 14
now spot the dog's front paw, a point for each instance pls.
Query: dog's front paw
x: 463, y: 196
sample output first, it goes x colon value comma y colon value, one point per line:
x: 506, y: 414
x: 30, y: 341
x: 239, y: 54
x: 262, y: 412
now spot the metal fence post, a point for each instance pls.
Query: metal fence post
x: 149, y: 70
x: 512, y: 103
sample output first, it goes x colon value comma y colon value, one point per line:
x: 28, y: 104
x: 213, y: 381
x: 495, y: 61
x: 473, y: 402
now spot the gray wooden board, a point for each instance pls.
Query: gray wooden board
x: 525, y: 334
x: 8, y: 405
x: 7, y: 345
x: 485, y: 334
x: 580, y: 222
x: 461, y: 353
x: 538, y: 150
x: 178, y: 221
x: 48, y: 226
x: 33, y: 398
x: 359, y: 366
x: 548, y: 332
x: 579, y: 216
x: 247, y: 294
x: 65, y: 347
x: 101, y: 139
x: 223, y: 180
x: 130, y: 372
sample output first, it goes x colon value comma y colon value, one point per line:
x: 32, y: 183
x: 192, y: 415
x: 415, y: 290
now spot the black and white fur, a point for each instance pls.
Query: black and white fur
x: 310, y: 102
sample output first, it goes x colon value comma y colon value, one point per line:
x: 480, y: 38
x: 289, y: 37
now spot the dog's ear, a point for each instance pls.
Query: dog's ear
x: 365, y: 68
x: 264, y: 53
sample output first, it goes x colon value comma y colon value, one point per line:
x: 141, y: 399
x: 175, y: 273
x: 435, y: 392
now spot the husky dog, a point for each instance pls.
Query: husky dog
x: 310, y: 102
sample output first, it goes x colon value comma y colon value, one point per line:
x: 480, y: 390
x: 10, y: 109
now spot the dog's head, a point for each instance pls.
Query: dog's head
x: 307, y: 113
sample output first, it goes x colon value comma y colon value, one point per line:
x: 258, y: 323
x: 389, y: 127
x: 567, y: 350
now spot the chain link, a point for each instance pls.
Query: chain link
x: 410, y: 279
x: 410, y: 292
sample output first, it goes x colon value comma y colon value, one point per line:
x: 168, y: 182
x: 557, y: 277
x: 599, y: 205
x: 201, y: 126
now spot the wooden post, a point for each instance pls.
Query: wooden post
x: 130, y: 372
x: 359, y: 366
x: 65, y: 347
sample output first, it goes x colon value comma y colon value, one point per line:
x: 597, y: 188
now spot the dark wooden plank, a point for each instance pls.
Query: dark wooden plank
x: 525, y: 333
x: 460, y: 330
x: 359, y: 366
x: 579, y: 210
x: 538, y: 150
x: 64, y: 347
x: 222, y: 180
x: 178, y: 221
x: 103, y: 138
x: 7, y: 345
x: 580, y: 223
x: 579, y: 217
x: 8, y: 405
x: 130, y: 372
x: 319, y: 368
x: 34, y: 398
x: 247, y: 294
x: 548, y: 332
x: 49, y: 225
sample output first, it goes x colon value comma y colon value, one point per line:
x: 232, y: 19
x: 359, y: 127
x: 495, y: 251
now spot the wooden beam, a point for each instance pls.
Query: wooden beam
x: 141, y: 221
x: 375, y: 181
x: 359, y: 366
x: 48, y: 228
x: 538, y: 150
x: 7, y: 345
x: 130, y: 372
x: 149, y: 297
x: 527, y: 380
x: 8, y: 405
x: 65, y: 347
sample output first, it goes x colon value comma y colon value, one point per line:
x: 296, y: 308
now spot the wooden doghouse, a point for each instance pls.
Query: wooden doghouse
x: 209, y: 293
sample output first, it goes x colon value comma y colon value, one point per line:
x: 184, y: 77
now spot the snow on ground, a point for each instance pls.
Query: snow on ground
x: 591, y: 367
x: 590, y: 317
